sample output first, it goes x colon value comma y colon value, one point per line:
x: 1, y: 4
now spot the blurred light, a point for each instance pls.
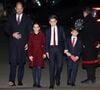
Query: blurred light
x: 38, y: 2
x: 53, y: 2
x: 96, y: 8
x: 98, y: 20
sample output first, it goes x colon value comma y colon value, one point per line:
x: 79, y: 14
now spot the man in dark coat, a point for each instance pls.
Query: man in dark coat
x: 18, y: 27
x: 90, y: 35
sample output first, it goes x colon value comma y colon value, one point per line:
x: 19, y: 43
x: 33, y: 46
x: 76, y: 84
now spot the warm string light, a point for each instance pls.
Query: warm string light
x: 96, y: 8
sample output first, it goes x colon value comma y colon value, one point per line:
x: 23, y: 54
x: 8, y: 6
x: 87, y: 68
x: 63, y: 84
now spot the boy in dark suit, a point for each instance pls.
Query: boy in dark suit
x: 55, y: 47
x: 74, y: 50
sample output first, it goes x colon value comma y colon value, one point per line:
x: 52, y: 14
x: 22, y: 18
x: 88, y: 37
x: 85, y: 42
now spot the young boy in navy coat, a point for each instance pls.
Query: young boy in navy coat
x: 74, y: 47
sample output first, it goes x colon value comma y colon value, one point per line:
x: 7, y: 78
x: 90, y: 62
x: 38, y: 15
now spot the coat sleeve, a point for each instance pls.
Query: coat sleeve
x: 80, y: 48
x: 47, y: 41
x: 30, y: 46
x: 65, y: 39
x: 43, y: 44
x: 29, y: 24
x: 29, y: 27
x: 8, y: 28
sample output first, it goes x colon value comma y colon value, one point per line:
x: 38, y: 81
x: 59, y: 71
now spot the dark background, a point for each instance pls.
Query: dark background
x: 66, y: 10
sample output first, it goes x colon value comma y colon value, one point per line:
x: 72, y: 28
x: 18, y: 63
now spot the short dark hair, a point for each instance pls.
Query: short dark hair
x: 74, y: 29
x: 53, y: 17
x: 87, y: 10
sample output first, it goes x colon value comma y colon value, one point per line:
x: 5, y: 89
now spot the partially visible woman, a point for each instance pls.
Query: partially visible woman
x: 90, y: 35
x: 36, y: 53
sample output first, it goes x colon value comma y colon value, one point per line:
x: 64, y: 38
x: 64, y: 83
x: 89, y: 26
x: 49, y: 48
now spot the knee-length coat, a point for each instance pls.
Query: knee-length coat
x: 36, y: 48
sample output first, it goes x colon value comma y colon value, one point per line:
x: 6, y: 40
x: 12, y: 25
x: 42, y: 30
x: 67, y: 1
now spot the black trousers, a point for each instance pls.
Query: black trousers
x: 17, y: 59
x: 16, y: 69
x: 55, y: 64
x: 72, y: 69
x: 91, y: 70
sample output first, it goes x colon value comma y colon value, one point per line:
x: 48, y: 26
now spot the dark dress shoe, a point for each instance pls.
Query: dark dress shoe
x: 39, y: 86
x: 20, y: 83
x: 93, y: 81
x: 85, y: 81
x: 51, y: 87
x: 34, y: 85
x: 58, y: 83
x: 72, y: 84
x: 68, y: 83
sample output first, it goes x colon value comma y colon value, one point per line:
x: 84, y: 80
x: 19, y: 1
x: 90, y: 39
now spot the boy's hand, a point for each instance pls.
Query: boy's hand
x: 74, y: 58
x: 67, y: 53
x: 47, y: 55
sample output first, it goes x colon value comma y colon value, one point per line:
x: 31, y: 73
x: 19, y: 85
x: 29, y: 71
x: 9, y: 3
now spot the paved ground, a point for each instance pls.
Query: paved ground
x: 4, y: 73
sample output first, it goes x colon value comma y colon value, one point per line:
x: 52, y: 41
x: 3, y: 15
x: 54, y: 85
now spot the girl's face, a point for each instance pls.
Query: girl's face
x: 36, y: 28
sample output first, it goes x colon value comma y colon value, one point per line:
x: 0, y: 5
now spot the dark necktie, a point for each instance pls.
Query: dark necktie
x: 18, y: 19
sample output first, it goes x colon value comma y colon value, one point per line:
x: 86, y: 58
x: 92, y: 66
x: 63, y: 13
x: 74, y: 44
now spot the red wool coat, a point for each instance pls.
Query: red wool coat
x: 36, y: 48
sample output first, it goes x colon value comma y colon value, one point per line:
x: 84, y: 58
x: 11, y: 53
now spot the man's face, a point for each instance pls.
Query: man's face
x: 19, y: 8
x: 53, y: 22
x: 85, y: 14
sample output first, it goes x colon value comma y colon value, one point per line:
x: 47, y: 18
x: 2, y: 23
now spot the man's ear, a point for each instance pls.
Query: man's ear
x: 15, y: 8
x: 71, y: 32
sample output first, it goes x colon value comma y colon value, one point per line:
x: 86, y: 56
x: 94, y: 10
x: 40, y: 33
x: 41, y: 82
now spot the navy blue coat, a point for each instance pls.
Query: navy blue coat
x: 61, y: 39
x: 17, y: 52
x: 77, y: 49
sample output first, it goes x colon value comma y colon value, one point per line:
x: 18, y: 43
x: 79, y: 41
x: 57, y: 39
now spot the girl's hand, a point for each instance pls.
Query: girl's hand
x: 31, y: 58
x: 44, y: 56
x: 98, y: 46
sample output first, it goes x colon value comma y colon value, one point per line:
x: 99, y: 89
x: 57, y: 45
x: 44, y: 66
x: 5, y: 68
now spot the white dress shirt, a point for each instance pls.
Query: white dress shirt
x: 52, y: 36
x: 19, y: 18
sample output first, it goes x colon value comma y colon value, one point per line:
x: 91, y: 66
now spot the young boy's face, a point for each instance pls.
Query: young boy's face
x: 74, y: 32
x: 53, y: 22
x: 36, y: 28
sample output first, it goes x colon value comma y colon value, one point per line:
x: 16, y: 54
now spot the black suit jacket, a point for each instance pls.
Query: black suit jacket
x: 61, y: 39
x: 77, y: 49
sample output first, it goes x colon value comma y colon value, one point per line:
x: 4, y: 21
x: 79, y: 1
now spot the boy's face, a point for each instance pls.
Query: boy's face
x: 53, y: 22
x: 74, y: 32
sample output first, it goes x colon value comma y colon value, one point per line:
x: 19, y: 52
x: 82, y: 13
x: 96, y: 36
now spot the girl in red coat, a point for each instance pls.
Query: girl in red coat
x: 36, y: 53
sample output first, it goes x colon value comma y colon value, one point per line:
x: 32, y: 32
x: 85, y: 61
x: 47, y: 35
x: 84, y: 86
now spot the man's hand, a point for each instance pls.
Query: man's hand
x: 16, y: 35
x: 31, y: 58
x: 98, y: 46
x: 47, y: 54
x: 26, y: 46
